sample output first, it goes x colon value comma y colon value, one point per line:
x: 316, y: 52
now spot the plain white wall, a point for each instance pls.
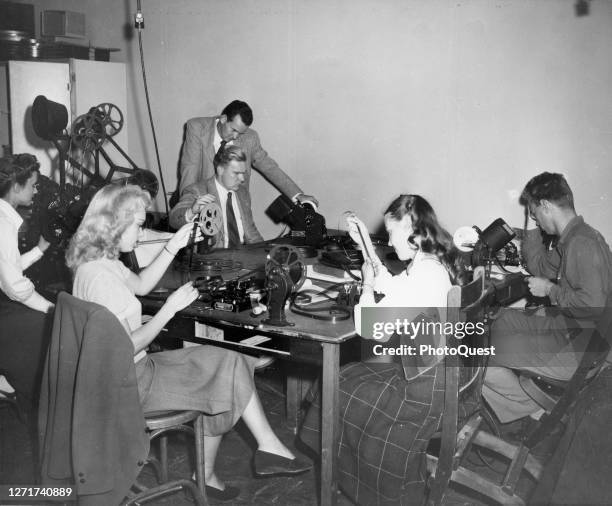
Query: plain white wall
x: 360, y: 100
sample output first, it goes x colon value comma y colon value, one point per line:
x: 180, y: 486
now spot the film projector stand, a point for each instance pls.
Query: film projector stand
x: 285, y: 274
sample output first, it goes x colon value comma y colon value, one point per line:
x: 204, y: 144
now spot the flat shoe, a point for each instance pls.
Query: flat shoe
x: 269, y: 464
x: 227, y: 494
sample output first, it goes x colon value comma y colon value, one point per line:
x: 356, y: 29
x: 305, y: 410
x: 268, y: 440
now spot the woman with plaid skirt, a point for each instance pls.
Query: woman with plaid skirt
x: 389, y: 409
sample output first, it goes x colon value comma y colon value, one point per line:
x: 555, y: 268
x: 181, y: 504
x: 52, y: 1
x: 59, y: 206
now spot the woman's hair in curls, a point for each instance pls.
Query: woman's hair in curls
x: 110, y: 212
x: 434, y: 239
x: 16, y: 169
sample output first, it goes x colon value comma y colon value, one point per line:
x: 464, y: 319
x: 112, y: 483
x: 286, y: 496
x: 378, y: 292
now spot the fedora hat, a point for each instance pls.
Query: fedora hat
x: 49, y: 118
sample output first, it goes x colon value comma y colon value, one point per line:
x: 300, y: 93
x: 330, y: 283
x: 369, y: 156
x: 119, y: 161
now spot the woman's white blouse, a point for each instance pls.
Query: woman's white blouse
x: 424, y: 284
x: 13, y: 283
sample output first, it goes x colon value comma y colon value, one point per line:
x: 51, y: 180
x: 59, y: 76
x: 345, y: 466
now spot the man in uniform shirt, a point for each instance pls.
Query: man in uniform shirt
x: 576, y: 276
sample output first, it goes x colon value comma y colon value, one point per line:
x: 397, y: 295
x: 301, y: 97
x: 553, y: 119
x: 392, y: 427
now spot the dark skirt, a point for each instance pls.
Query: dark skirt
x: 24, y: 339
x: 386, y: 423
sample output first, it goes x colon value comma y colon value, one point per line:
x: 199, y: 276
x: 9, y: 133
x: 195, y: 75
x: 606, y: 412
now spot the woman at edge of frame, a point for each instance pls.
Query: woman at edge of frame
x: 25, y: 323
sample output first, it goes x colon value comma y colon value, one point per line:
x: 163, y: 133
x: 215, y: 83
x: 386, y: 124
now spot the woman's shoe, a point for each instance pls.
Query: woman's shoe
x: 227, y: 494
x: 270, y: 464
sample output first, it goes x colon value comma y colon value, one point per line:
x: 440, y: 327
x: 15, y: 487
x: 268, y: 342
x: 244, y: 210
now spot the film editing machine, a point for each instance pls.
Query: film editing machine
x: 281, y: 274
x: 271, y: 273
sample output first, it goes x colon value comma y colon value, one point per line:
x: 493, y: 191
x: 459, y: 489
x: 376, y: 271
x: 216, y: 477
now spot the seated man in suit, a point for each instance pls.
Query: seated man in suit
x: 205, y: 136
x: 581, y: 295
x: 226, y: 188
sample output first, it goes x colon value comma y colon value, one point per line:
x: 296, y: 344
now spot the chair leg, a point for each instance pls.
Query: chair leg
x: 146, y: 495
x: 163, y: 457
x: 293, y: 401
x: 200, y: 449
x: 501, y: 447
x: 157, y: 467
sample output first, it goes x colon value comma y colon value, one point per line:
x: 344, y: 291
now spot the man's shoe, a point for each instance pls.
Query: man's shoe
x: 227, y: 494
x: 270, y: 464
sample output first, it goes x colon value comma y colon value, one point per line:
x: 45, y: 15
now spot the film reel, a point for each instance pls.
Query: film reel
x: 288, y: 260
x: 88, y: 132
x: 210, y: 219
x: 111, y: 117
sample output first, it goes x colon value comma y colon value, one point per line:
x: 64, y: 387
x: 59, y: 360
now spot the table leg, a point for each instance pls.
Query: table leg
x: 293, y: 400
x: 329, y: 423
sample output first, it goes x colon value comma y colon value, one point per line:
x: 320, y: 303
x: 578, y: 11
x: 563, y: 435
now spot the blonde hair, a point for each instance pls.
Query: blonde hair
x: 110, y: 212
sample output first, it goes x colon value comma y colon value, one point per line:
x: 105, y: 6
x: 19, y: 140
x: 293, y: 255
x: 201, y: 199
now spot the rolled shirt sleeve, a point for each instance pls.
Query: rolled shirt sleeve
x: 538, y: 260
x: 31, y: 257
x: 583, y: 293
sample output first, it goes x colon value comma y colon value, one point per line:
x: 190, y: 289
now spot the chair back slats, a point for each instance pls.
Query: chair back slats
x: 464, y: 303
x: 470, y: 303
x: 593, y: 355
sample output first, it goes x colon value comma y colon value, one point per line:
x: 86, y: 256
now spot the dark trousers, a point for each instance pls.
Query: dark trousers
x: 24, y: 338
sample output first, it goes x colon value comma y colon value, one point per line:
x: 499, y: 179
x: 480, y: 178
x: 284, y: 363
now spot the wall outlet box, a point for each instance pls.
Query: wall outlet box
x: 62, y: 24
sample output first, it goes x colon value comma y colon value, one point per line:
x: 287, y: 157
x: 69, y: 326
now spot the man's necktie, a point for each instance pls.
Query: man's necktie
x: 221, y: 146
x: 233, y: 238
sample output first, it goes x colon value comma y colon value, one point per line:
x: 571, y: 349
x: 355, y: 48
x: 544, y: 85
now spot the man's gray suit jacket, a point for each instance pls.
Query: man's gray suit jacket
x: 191, y: 194
x: 199, y: 152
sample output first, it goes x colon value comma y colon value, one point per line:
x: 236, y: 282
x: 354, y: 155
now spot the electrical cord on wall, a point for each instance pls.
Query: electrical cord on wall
x: 139, y: 25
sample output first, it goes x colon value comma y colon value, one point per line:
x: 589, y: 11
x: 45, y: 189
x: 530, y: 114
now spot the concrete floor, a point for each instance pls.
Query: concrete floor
x: 584, y: 479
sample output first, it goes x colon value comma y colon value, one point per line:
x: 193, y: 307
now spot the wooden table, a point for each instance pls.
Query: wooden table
x: 308, y: 341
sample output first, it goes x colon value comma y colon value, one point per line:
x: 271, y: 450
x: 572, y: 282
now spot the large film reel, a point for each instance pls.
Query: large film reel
x: 111, y: 117
x: 210, y: 219
x: 88, y: 132
x: 288, y: 260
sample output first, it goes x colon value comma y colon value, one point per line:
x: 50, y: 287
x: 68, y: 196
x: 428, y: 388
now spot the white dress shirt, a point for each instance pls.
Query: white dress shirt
x: 222, y: 191
x: 217, y: 138
x: 13, y: 283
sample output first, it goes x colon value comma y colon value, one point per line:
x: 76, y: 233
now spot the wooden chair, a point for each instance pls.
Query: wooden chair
x: 469, y: 304
x: 161, y: 424
x: 557, y: 397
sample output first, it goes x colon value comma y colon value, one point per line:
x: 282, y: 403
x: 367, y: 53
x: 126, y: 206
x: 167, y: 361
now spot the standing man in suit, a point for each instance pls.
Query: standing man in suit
x: 205, y: 136
x: 224, y: 189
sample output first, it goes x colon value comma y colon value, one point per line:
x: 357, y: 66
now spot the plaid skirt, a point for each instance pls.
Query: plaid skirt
x: 386, y: 423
